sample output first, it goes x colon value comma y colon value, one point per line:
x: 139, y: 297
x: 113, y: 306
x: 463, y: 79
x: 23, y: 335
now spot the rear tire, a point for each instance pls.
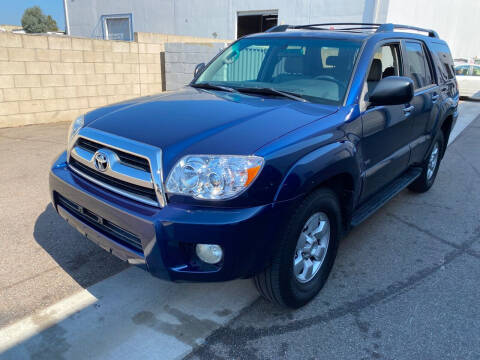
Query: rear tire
x: 430, y: 167
x: 306, y: 246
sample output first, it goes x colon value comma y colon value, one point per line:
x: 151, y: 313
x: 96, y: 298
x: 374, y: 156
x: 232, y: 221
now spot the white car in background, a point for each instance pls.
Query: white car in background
x: 468, y: 78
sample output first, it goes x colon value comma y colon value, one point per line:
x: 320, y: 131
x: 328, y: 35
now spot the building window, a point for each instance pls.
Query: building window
x: 251, y: 22
x: 117, y: 27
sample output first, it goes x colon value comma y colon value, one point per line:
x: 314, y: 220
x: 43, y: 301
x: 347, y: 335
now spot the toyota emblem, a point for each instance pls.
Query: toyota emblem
x: 101, y: 161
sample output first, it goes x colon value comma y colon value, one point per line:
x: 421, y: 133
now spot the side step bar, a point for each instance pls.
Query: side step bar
x: 379, y: 199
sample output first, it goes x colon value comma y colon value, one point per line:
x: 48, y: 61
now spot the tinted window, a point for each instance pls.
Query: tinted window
x: 443, y: 60
x: 476, y: 71
x: 417, y: 65
x: 319, y: 70
x: 462, y: 70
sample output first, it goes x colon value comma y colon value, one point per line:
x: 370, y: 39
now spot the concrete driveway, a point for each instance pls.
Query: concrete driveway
x: 405, y: 284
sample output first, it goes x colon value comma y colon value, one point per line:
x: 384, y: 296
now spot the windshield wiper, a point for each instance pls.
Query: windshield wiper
x: 210, y: 86
x: 271, y: 91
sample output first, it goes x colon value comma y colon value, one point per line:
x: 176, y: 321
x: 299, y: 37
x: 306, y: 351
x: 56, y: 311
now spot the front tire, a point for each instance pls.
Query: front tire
x: 430, y: 167
x: 306, y: 252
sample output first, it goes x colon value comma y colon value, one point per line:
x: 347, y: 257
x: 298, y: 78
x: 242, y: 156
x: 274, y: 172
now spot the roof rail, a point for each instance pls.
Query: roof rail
x: 336, y: 24
x: 392, y: 27
x: 357, y: 26
x: 279, y: 28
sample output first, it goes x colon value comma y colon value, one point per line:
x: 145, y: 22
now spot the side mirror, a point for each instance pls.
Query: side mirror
x: 198, y: 69
x: 392, y: 90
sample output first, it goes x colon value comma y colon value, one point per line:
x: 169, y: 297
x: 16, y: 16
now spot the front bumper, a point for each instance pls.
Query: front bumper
x: 168, y: 235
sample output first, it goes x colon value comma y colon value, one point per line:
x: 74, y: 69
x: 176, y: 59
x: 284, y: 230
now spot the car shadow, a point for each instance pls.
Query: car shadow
x: 111, y: 315
x: 474, y: 98
x: 84, y: 261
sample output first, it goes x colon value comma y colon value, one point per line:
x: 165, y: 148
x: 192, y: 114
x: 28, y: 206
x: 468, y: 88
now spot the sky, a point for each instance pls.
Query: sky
x: 12, y: 10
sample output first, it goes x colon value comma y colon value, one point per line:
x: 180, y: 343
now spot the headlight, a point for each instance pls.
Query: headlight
x: 75, y: 127
x: 213, y: 177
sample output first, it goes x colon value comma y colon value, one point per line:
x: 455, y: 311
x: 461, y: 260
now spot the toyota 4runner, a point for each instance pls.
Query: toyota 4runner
x: 280, y: 145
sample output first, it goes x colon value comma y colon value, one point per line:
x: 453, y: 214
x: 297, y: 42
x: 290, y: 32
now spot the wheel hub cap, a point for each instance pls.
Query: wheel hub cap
x: 432, y: 161
x: 311, y: 247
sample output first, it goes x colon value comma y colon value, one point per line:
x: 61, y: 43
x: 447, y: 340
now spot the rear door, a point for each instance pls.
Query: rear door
x: 423, y: 110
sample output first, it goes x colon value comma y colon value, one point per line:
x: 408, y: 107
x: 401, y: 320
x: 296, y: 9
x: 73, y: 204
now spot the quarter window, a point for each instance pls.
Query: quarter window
x: 417, y: 65
x: 444, y: 61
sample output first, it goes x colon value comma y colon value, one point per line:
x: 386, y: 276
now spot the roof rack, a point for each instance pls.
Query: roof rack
x: 353, y: 27
x: 392, y: 27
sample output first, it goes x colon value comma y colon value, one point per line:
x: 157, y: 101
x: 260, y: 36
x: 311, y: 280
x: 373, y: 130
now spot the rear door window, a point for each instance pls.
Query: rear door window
x: 417, y: 67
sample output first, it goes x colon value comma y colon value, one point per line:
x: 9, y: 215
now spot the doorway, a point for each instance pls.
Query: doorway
x: 249, y: 22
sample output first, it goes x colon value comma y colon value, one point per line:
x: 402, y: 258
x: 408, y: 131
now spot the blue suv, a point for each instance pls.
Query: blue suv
x: 257, y: 168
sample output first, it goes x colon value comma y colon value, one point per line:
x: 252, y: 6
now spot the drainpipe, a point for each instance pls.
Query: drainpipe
x: 376, y: 10
x: 67, y: 20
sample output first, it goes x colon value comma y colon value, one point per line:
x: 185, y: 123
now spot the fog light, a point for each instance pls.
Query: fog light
x: 209, y: 253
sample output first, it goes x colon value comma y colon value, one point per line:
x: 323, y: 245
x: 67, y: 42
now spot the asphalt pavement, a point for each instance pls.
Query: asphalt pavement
x: 43, y: 258
x: 404, y: 286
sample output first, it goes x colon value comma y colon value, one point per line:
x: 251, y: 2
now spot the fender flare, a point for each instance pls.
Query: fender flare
x: 320, y: 165
x: 451, y: 111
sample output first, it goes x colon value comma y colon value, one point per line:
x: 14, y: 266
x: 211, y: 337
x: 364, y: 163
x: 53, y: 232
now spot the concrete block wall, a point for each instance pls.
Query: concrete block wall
x: 56, y: 78
x: 181, y: 59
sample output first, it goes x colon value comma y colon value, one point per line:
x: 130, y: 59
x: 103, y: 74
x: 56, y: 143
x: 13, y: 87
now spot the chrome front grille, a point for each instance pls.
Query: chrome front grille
x: 118, y: 164
x: 126, y: 158
x: 113, y: 182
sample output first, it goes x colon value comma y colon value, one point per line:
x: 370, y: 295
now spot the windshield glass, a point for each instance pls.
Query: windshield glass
x: 317, y: 70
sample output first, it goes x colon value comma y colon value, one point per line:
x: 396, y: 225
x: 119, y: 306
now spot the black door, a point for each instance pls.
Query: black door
x: 385, y: 143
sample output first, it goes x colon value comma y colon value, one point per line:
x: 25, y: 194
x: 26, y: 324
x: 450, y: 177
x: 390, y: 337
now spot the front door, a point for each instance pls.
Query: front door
x: 386, y: 129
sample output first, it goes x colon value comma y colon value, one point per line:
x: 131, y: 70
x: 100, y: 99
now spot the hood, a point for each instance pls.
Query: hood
x: 205, y: 122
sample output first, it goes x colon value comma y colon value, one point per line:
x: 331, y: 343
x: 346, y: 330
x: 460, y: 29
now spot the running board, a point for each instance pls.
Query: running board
x: 382, y: 197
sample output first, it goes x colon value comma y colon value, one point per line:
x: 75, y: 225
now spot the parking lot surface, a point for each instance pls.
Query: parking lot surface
x: 404, y: 286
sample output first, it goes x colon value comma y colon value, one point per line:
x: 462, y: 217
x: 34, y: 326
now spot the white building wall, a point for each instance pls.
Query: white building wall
x: 148, y: 15
x: 456, y: 21
x: 209, y: 18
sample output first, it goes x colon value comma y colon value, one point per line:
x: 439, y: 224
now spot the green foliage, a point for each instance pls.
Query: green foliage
x: 35, y: 21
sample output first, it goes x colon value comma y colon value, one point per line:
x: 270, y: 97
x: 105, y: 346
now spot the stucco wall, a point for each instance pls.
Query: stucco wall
x: 210, y: 18
x: 56, y: 78
x: 455, y: 21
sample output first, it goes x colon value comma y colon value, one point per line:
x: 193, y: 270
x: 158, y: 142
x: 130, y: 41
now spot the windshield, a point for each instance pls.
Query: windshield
x: 317, y: 70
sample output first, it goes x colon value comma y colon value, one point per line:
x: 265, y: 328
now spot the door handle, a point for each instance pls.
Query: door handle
x: 407, y: 111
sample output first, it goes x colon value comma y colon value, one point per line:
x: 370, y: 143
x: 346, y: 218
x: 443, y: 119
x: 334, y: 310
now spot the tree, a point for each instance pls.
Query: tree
x: 35, y: 21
